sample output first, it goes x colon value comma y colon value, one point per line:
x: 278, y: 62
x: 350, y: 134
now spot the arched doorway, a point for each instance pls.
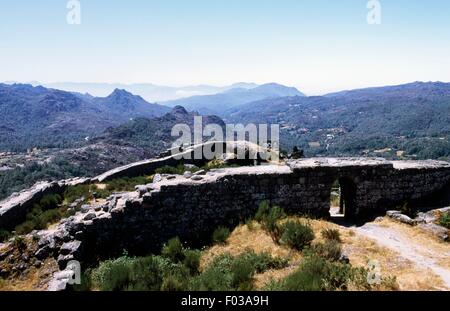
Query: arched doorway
x: 342, y: 198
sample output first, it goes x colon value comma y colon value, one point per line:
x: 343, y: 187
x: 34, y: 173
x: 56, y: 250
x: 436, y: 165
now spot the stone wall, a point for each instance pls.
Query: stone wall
x: 193, y: 207
x: 142, y: 221
x: 14, y: 209
x: 191, y: 155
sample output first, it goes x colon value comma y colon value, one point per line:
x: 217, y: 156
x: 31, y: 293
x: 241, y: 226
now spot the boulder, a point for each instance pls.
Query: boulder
x: 90, y: 216
x: 436, y: 230
x: 392, y: 213
x: 157, y: 178
x: 42, y: 253
x: 404, y: 219
x: 141, y: 189
x: 85, y: 208
x: 187, y: 175
x: 70, y: 248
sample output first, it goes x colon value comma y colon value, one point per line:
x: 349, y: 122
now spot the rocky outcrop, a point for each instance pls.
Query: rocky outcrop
x: 426, y: 221
x: 398, y: 216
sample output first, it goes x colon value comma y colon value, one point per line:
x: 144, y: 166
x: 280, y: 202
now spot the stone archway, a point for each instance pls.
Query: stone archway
x: 343, y: 198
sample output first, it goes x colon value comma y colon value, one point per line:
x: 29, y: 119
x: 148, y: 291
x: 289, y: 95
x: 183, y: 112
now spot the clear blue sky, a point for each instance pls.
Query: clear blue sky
x: 315, y: 45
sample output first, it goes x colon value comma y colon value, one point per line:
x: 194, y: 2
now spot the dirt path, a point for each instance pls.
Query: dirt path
x: 420, y: 254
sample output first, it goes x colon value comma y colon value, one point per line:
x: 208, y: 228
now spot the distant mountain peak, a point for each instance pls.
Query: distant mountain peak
x: 180, y: 110
x: 244, y: 85
x: 120, y: 93
x: 279, y: 89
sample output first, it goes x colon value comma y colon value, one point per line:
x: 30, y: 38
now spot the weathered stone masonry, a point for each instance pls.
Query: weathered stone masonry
x: 192, y: 208
x: 141, y: 222
x: 14, y: 209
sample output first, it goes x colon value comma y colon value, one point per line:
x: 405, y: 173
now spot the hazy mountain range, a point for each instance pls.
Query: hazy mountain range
x: 150, y: 92
x: 220, y: 103
x: 395, y: 118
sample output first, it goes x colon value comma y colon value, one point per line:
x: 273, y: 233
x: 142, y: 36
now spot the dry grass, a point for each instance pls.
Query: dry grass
x: 410, y: 277
x: 33, y: 279
x: 243, y: 239
x: 359, y: 249
x: 434, y: 247
x: 417, y: 235
x: 101, y: 186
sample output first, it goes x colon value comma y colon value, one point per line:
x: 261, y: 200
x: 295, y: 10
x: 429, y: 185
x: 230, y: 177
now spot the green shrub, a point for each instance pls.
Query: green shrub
x: 4, y: 235
x: 273, y: 286
x: 142, y: 274
x: 250, y: 224
x: 100, y: 193
x: 145, y: 275
x: 25, y: 227
x: 444, y: 220
x: 264, y: 261
x: 318, y: 274
x: 50, y: 201
x: 214, y: 164
x: 217, y: 276
x: 76, y: 192
x: 178, y: 170
x: 113, y: 275
x: 331, y: 235
x: 37, y: 219
x: 269, y: 218
x: 172, y: 283
x: 228, y: 273
x: 126, y: 183
x: 173, y: 250
x: 221, y: 235
x: 19, y: 243
x: 242, y: 274
x: 296, y: 235
x: 330, y: 250
x: 49, y: 217
x: 263, y: 211
x: 192, y: 261
x: 86, y: 282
